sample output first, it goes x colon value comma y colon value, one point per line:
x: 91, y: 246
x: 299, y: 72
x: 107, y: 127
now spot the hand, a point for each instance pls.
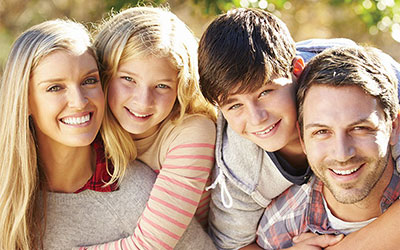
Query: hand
x: 310, y: 241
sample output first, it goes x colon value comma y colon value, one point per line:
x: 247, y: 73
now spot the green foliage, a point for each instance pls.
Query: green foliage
x: 117, y: 5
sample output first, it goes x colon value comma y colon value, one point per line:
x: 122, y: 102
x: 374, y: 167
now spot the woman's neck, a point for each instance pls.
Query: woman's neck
x: 66, y: 169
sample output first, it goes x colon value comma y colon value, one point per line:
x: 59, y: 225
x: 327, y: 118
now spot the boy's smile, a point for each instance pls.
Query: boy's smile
x: 267, y: 116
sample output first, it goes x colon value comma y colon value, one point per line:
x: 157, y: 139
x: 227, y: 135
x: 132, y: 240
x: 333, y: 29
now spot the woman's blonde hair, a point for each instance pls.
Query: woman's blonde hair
x: 19, y: 172
x: 136, y: 33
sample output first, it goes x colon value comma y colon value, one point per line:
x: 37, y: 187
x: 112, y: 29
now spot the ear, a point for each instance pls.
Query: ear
x: 298, y: 66
x: 300, y: 138
x: 394, y: 137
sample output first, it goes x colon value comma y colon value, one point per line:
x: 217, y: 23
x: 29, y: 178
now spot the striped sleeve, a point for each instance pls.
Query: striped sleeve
x: 178, y: 193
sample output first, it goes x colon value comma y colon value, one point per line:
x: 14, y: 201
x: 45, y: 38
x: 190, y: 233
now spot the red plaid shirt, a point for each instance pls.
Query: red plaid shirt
x: 100, y: 175
x: 301, y: 209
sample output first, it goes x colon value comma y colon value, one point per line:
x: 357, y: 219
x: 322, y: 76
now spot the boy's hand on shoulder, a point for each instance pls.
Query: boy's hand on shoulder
x: 311, y: 241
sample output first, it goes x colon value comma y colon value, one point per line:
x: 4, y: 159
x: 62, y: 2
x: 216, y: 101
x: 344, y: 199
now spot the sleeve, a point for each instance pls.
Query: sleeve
x: 178, y: 190
x: 234, y: 227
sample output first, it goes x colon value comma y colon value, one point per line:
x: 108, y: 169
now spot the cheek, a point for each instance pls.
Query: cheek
x: 115, y: 96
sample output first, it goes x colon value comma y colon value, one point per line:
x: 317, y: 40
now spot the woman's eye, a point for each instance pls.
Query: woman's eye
x: 91, y: 80
x: 54, y: 88
x: 162, y: 86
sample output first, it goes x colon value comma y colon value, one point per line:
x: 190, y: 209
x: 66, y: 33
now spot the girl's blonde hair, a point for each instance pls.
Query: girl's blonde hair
x: 141, y: 32
x: 19, y: 172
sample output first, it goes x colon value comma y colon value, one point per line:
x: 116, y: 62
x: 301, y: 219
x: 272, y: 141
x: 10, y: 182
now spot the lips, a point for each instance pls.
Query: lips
x: 267, y: 130
x: 137, y: 114
x: 345, y: 172
x: 76, y: 120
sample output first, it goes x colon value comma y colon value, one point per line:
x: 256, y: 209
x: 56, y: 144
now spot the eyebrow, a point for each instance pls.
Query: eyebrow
x: 91, y: 71
x: 161, y: 79
x: 318, y: 125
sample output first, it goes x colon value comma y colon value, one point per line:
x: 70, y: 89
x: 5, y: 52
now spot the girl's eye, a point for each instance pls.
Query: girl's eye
x: 162, y: 86
x: 91, y: 80
x: 234, y: 106
x: 53, y: 88
x: 127, y: 78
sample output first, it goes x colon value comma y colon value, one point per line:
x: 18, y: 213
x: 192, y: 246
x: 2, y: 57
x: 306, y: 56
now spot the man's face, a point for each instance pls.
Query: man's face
x: 346, y: 139
x: 266, y: 117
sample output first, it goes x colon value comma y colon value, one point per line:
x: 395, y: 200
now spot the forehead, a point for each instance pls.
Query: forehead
x: 339, y: 106
x: 60, y: 62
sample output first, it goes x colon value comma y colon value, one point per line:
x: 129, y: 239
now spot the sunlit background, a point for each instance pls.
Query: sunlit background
x: 373, y: 22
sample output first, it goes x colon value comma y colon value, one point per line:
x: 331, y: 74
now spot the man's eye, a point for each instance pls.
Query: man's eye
x: 321, y: 132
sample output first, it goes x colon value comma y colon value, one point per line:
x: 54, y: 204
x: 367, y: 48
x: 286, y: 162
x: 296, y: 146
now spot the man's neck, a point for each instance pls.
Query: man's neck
x: 365, y: 209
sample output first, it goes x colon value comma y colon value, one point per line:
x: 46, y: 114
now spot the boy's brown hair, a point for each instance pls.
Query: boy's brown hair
x: 241, y: 51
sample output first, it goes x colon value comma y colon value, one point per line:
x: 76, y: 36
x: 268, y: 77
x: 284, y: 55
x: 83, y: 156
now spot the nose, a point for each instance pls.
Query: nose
x: 143, y: 97
x: 343, y: 147
x: 77, y: 98
x: 256, y: 114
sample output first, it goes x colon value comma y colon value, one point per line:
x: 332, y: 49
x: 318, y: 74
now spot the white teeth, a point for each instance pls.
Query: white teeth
x: 76, y: 120
x: 266, y: 131
x: 344, y: 172
x: 138, y: 115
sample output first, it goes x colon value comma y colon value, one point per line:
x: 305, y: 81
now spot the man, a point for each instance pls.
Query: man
x: 348, y: 119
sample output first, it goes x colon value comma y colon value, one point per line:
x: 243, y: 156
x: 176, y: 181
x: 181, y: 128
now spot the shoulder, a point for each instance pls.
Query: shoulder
x: 291, y: 205
x: 196, y: 120
x: 194, y: 126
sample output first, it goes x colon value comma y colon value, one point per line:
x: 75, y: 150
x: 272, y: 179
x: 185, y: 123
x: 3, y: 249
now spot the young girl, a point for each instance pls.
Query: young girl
x: 156, y: 113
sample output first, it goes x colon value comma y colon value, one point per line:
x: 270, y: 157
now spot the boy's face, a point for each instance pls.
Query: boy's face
x: 267, y: 116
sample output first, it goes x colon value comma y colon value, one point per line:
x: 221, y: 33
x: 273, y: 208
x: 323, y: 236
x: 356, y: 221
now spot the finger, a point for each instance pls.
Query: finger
x: 303, y: 237
x: 323, y: 240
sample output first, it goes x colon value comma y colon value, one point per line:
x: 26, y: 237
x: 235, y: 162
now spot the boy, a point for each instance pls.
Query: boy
x: 248, y: 67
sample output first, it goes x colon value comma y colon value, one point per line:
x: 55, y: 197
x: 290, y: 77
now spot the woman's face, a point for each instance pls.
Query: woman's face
x: 66, y: 101
x: 142, y: 94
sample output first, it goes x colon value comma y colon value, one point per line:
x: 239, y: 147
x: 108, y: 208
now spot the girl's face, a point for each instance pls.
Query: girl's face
x: 66, y: 101
x: 142, y: 94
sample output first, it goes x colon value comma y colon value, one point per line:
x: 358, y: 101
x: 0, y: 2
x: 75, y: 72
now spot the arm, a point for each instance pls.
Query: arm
x: 380, y: 234
x: 178, y: 189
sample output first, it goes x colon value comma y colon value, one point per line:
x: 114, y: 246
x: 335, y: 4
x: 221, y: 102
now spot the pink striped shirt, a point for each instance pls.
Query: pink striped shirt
x: 183, y: 156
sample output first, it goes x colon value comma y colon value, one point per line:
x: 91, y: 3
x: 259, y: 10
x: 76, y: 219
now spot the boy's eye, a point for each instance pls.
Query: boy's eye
x: 53, y: 88
x: 162, y: 86
x: 90, y: 80
x: 265, y: 92
x: 234, y: 106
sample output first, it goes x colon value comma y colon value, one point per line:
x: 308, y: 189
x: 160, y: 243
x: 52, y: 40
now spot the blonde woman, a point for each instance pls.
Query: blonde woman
x: 156, y: 113
x: 52, y: 108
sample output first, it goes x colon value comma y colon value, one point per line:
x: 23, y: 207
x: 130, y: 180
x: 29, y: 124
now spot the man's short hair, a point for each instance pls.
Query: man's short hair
x: 241, y: 50
x: 359, y: 66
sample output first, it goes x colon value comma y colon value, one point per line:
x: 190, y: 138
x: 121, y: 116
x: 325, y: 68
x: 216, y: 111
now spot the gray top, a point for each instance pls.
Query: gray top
x: 92, y: 217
